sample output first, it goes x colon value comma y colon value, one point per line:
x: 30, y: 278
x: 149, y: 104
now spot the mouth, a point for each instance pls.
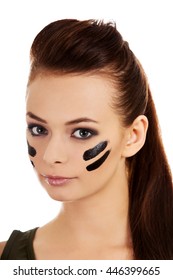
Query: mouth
x: 57, y: 180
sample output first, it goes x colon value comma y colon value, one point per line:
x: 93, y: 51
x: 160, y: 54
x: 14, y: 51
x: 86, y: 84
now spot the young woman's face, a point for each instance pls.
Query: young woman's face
x: 75, y: 140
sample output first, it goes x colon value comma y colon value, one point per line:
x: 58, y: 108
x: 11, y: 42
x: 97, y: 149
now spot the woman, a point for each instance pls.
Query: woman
x: 94, y: 142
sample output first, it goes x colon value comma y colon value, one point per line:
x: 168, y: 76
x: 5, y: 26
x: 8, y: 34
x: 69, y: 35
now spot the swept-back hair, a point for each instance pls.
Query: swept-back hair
x: 73, y: 46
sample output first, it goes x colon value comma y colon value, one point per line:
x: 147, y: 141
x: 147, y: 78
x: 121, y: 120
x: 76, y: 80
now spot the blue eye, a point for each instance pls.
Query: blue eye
x: 84, y: 133
x: 37, y: 130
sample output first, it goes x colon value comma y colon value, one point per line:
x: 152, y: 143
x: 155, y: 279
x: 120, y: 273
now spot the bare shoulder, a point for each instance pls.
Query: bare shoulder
x: 2, y: 245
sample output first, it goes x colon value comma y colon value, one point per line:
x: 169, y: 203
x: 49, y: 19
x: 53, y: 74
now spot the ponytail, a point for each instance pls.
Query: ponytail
x: 151, y: 196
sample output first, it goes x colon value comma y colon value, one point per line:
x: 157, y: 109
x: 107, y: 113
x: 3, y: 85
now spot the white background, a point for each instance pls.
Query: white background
x: 146, y: 25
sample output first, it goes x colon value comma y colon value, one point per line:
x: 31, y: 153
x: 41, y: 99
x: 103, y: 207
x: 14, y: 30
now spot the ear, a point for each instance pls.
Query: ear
x: 136, y: 136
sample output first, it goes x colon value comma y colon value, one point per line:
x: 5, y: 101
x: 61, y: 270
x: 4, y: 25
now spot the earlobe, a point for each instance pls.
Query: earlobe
x: 136, y: 136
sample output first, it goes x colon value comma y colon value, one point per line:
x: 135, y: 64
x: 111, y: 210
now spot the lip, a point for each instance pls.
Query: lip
x: 57, y: 180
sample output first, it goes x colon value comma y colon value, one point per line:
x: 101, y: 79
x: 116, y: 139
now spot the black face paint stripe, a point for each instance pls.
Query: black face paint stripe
x: 31, y: 151
x: 32, y: 163
x: 98, y: 163
x: 91, y: 153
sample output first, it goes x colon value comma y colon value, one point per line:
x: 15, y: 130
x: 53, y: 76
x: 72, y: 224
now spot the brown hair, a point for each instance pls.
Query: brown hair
x: 72, y: 46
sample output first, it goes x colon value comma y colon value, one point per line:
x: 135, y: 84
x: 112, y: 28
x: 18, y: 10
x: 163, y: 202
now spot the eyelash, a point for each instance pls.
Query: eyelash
x: 31, y: 126
x: 88, y: 130
x: 45, y: 132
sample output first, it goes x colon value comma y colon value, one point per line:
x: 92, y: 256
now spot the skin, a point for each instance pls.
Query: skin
x: 93, y: 221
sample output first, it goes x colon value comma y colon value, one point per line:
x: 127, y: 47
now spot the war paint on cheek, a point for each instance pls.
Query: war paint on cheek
x: 32, y: 163
x: 31, y: 151
x: 98, y: 163
x: 91, y: 153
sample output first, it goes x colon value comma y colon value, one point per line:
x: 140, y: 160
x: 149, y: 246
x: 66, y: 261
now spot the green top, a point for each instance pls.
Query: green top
x: 19, y: 246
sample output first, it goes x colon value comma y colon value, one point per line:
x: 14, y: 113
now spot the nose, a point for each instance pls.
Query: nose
x: 55, y: 151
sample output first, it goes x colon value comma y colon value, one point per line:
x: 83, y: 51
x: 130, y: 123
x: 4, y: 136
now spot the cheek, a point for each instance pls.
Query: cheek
x: 32, y: 152
x: 94, y: 152
x: 98, y: 163
x: 32, y: 163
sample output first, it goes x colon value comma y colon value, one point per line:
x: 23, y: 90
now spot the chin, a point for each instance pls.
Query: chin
x: 59, y: 194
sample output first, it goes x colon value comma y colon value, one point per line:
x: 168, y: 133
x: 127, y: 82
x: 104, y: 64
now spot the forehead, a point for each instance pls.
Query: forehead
x: 70, y: 96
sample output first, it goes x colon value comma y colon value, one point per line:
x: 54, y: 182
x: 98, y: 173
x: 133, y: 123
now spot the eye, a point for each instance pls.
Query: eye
x: 37, y: 130
x: 84, y: 133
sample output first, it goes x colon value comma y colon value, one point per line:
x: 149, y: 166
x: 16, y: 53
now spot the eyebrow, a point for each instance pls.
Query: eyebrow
x: 76, y: 121
x: 31, y: 115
